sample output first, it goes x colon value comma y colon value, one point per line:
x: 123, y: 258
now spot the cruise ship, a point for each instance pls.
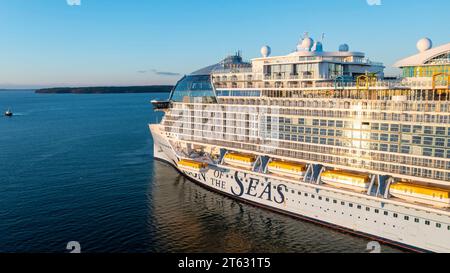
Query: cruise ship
x: 323, y: 136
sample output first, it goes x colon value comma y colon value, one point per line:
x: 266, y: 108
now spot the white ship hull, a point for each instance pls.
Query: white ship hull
x: 337, y: 208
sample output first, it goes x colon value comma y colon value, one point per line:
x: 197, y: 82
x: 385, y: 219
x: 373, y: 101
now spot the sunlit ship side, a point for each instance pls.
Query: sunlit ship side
x: 321, y: 136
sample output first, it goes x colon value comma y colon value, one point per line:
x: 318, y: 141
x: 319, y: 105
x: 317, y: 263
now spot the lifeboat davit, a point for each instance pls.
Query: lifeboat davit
x: 192, y: 165
x: 285, y: 168
x: 344, y: 179
x: 421, y: 194
x: 239, y: 160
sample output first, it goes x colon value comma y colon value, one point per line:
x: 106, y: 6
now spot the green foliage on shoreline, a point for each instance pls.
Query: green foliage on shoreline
x: 106, y: 90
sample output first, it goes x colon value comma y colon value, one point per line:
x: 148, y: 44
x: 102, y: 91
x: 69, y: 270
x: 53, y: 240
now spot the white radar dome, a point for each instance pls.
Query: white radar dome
x: 344, y: 48
x: 265, y: 51
x: 318, y: 47
x: 424, y: 44
x: 307, y: 43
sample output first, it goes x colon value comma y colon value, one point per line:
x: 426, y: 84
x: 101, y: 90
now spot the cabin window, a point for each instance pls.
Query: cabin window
x: 427, y: 223
x: 406, y: 218
x: 327, y: 199
x: 312, y: 196
x: 293, y: 191
x: 416, y: 220
x: 406, y: 128
x: 386, y: 213
x: 334, y: 201
x: 306, y: 194
x: 367, y: 209
x: 395, y: 215
x: 359, y: 207
x: 438, y: 225
x: 299, y: 193
x: 377, y: 211
x: 440, y: 130
x: 343, y: 203
x: 350, y: 205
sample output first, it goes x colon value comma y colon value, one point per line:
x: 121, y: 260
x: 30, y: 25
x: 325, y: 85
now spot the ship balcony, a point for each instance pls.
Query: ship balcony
x: 236, y: 77
x: 161, y: 105
x: 303, y: 76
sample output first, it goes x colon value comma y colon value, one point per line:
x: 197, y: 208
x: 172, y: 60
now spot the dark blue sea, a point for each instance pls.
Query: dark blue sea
x: 80, y: 168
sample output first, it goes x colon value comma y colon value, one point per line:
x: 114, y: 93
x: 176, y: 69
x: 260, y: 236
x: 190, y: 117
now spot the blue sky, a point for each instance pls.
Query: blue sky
x: 137, y: 42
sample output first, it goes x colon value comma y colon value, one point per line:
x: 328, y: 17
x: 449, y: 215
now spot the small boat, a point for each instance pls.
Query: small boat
x: 285, y: 168
x: 8, y: 113
x: 239, y: 160
x: 343, y: 179
x: 192, y: 165
x: 434, y: 196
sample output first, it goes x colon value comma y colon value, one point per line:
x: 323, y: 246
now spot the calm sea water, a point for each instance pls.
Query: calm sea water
x: 80, y: 168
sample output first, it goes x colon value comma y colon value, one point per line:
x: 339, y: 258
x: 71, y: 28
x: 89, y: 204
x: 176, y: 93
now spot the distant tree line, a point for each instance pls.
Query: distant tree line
x: 106, y: 90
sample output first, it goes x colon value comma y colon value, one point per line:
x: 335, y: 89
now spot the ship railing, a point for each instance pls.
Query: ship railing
x: 233, y: 70
x: 328, y: 82
x: 296, y: 77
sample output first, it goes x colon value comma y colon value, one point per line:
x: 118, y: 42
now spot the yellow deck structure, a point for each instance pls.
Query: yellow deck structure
x: 286, y: 168
x: 192, y: 164
x: 434, y: 196
x: 409, y: 188
x: 241, y: 157
x: 241, y: 160
x: 354, y: 178
x: 343, y: 179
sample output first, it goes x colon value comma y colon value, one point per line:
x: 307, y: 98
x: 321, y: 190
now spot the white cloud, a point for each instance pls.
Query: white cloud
x: 374, y: 2
x: 74, y: 2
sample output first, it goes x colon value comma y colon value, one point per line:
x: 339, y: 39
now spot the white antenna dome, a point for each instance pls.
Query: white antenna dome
x: 307, y: 43
x: 424, y: 44
x: 318, y: 47
x: 265, y: 51
x: 344, y: 48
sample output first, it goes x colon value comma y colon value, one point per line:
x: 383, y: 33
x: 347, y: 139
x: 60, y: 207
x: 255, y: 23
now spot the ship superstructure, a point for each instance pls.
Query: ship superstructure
x: 322, y: 136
